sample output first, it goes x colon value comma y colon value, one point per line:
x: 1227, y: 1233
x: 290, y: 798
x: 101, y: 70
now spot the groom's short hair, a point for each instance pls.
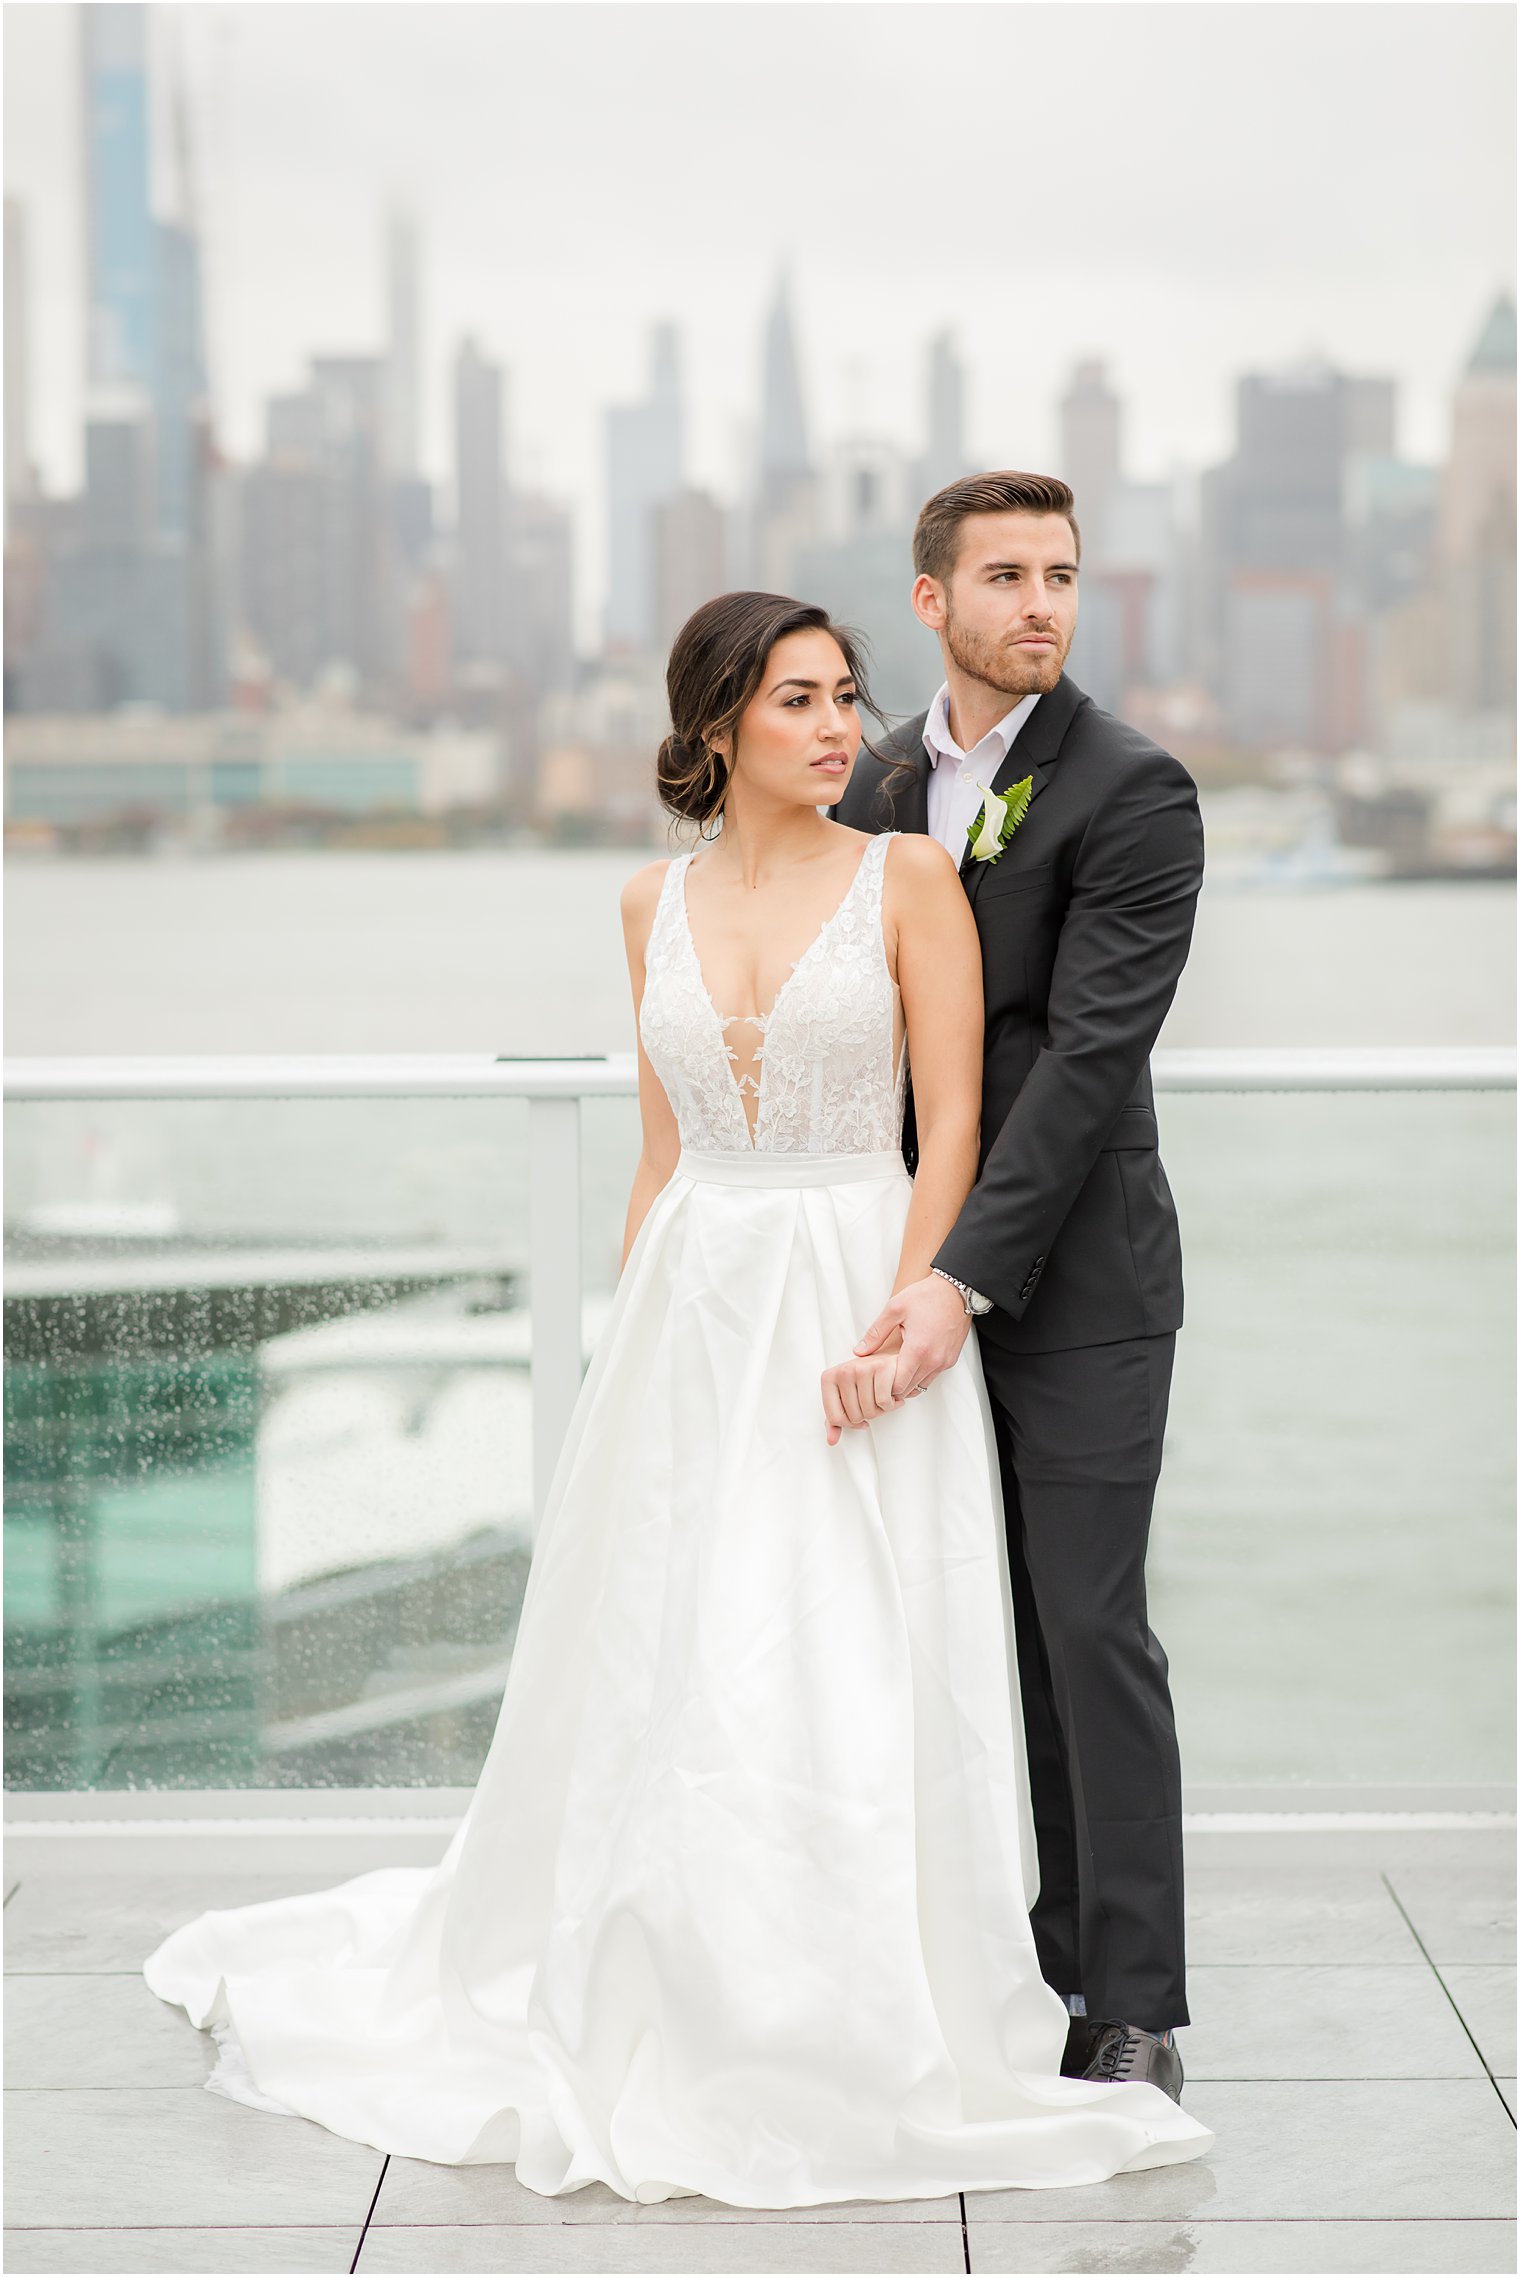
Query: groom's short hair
x: 936, y: 535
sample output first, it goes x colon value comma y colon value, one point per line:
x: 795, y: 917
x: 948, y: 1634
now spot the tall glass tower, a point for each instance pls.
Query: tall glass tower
x: 120, y: 247
x: 784, y: 462
x: 645, y: 451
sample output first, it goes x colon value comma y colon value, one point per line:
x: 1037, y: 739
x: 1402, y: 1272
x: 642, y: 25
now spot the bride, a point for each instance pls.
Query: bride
x: 739, y: 1904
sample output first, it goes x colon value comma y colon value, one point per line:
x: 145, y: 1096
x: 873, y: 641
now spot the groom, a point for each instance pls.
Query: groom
x: 1066, y: 1252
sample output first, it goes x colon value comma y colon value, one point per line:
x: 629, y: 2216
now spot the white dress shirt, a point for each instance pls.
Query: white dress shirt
x: 953, y: 797
x: 954, y: 775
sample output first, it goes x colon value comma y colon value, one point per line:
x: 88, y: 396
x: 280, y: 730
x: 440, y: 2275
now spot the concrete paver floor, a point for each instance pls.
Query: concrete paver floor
x: 1353, y: 2047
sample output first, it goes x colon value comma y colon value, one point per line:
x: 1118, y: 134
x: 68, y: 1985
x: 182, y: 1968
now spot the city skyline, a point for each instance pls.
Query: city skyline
x: 1175, y: 330
x: 1314, y: 592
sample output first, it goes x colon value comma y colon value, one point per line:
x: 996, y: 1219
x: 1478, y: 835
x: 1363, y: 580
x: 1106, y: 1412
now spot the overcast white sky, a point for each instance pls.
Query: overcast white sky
x: 1188, y: 190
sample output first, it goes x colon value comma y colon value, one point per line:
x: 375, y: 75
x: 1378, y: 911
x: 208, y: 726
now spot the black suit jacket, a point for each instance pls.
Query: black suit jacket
x: 1085, y: 922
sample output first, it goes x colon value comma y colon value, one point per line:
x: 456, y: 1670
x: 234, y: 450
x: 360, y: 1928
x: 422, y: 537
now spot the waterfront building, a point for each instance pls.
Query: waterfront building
x: 1280, y: 618
x: 785, y: 461
x: 540, y: 628
x: 1477, y: 523
x: 1129, y: 631
x: 403, y: 345
x: 119, y: 240
x: 860, y: 567
x: 784, y: 511
x: 944, y: 455
x: 319, y: 581
x: 1090, y: 421
x: 18, y: 468
x: 128, y: 591
x: 690, y: 558
x: 479, y: 508
x: 596, y: 759
x: 319, y: 754
x: 645, y: 456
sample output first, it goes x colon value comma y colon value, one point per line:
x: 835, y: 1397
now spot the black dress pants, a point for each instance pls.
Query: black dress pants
x: 1079, y: 1442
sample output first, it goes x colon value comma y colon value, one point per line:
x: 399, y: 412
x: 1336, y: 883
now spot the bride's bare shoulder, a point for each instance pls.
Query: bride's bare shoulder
x: 640, y: 895
x: 919, y: 866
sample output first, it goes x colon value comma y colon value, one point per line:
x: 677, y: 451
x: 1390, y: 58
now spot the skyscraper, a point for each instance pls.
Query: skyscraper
x: 1477, y: 522
x: 480, y: 599
x: 1279, y: 572
x: 944, y: 458
x: 17, y: 440
x: 858, y: 564
x: 644, y: 460
x: 540, y: 642
x: 319, y: 558
x: 180, y: 409
x: 134, y: 606
x: 361, y: 566
x: 403, y: 344
x: 784, y: 462
x: 1090, y: 450
x: 120, y: 251
x: 690, y: 547
x: 181, y: 405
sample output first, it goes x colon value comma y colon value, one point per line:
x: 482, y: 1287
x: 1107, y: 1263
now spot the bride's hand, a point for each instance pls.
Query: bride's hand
x: 856, y: 1392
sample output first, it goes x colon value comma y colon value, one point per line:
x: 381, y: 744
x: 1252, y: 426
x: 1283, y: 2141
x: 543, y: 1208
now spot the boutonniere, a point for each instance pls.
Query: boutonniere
x: 997, y: 818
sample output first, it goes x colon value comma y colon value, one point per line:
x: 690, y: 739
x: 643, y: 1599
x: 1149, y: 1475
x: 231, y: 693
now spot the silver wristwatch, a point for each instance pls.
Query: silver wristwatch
x: 972, y: 1299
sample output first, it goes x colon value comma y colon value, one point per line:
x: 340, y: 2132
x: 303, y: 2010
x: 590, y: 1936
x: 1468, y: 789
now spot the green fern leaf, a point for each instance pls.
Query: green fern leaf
x: 1018, y: 803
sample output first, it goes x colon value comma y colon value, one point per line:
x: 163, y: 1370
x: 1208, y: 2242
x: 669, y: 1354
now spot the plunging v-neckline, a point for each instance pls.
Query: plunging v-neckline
x: 761, y: 1020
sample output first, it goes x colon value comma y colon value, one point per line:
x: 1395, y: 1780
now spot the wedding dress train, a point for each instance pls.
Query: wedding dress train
x: 738, y: 1905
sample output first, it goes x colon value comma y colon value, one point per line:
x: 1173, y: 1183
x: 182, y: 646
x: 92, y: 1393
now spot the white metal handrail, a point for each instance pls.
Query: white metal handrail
x: 458, y: 1075
x: 554, y: 1089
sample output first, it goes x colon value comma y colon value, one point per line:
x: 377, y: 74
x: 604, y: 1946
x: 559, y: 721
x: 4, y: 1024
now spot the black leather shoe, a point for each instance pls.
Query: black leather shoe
x: 1124, y: 2052
x: 1079, y: 2048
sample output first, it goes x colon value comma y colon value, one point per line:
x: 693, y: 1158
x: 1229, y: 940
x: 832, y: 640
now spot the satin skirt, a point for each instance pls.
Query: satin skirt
x: 739, y: 1905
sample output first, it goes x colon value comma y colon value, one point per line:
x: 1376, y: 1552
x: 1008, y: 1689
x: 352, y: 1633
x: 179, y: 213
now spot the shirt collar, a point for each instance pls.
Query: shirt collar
x: 939, y: 742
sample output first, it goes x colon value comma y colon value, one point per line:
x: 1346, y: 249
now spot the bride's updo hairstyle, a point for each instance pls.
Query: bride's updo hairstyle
x: 717, y: 664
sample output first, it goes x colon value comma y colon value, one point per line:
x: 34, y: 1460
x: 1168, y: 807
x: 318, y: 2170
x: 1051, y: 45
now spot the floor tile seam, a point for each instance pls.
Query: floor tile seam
x: 167, y: 2229
x: 1435, y: 1971
x: 92, y: 1975
x: 1251, y: 2221
x: 369, y: 2212
x: 741, y: 2218
x: 990, y: 2221
x: 170, y: 2087
x: 766, y: 2217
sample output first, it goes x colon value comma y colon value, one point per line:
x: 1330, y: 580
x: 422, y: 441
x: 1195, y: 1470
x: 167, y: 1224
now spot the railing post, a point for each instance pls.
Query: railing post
x: 554, y: 1278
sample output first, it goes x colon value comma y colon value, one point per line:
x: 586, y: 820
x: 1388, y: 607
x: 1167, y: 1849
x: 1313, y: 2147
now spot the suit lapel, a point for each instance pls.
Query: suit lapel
x: 1034, y: 753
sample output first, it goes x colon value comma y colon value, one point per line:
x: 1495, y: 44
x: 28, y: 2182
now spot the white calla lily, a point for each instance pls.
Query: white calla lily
x: 999, y: 816
x: 989, y: 842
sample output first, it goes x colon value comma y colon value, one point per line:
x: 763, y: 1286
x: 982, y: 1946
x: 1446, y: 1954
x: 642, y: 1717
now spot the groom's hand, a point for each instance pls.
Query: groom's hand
x: 934, y: 1326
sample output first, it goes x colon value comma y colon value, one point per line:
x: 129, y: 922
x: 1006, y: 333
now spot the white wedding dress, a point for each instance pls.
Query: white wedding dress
x: 738, y: 1905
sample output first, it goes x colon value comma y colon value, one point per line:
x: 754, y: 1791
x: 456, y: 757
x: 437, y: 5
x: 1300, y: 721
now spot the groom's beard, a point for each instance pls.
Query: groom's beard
x: 1000, y: 664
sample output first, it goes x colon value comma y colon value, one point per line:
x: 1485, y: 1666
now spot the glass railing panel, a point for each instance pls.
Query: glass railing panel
x: 1331, y: 1566
x: 269, y: 1436
x: 268, y: 1439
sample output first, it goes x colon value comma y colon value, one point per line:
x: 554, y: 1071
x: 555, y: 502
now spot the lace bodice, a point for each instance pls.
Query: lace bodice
x: 826, y: 1084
